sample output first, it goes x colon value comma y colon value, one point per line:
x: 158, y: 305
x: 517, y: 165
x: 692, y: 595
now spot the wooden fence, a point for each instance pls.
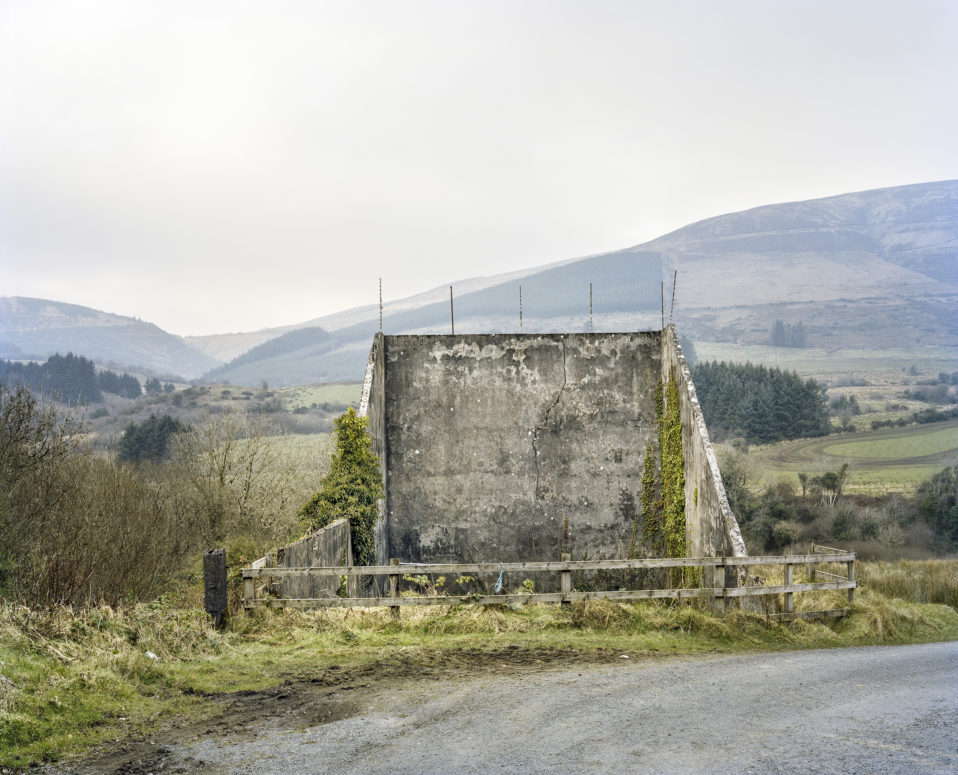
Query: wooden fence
x: 719, y: 594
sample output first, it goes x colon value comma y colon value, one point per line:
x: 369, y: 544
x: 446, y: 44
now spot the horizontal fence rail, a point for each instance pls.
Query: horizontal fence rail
x: 719, y: 592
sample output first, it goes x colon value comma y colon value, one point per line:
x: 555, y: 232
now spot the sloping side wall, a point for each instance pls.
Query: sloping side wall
x: 329, y: 546
x: 515, y: 447
x: 711, y: 527
x: 372, y: 405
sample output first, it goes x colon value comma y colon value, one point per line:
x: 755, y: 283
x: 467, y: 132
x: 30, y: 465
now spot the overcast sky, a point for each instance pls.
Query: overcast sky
x: 215, y: 166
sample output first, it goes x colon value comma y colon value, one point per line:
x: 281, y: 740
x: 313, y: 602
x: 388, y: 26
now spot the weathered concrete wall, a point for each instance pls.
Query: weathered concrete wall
x: 711, y: 527
x: 516, y: 447
x: 372, y: 405
x: 329, y: 546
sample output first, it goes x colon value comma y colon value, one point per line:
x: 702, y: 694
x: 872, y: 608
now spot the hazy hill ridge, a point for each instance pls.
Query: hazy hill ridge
x: 37, y: 328
x: 868, y: 269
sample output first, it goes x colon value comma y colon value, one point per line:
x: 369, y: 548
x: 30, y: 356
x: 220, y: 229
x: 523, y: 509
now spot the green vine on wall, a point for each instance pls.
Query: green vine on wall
x: 673, y: 472
x: 663, y: 491
x: 652, y: 532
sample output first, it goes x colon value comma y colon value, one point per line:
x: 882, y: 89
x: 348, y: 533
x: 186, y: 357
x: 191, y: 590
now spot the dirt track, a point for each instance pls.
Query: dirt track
x: 878, y: 710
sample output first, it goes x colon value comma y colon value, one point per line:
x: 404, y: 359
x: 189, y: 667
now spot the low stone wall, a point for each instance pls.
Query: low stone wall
x: 329, y: 546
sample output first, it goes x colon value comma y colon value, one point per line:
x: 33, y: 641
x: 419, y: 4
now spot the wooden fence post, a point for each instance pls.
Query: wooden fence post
x: 394, y: 588
x: 565, y: 579
x: 789, y: 604
x: 851, y: 577
x: 718, y: 580
x: 215, y: 593
x: 811, y: 565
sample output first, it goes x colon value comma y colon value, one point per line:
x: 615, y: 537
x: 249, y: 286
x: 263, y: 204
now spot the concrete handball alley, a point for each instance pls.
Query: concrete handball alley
x: 515, y: 447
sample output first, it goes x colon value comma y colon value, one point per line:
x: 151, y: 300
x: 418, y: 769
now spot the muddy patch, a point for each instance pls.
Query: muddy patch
x: 331, y: 694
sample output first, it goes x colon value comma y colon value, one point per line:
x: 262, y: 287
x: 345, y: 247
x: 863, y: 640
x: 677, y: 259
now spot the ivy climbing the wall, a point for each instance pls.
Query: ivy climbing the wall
x: 673, y: 472
x: 653, y: 534
x: 663, y: 485
x: 351, y: 489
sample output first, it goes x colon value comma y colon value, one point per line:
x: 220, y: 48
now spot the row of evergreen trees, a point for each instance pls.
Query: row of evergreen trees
x: 788, y: 335
x: 125, y: 385
x: 70, y: 378
x: 759, y: 403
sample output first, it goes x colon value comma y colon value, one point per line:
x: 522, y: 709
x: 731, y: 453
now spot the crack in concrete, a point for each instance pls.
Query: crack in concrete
x: 545, y: 419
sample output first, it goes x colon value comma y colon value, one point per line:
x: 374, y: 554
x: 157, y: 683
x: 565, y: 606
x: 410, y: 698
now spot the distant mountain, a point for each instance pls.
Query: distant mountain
x: 225, y: 347
x: 270, y: 357
x: 37, y: 328
x: 871, y: 269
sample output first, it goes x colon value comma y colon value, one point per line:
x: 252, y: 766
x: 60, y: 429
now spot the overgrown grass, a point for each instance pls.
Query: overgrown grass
x: 927, y: 581
x: 76, y: 678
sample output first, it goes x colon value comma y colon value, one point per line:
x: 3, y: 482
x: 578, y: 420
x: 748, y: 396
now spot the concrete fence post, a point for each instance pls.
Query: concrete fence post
x: 215, y: 594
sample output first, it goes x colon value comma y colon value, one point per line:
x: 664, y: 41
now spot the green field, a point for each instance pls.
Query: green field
x: 887, y: 366
x: 894, y: 446
x: 334, y: 393
x: 891, y: 459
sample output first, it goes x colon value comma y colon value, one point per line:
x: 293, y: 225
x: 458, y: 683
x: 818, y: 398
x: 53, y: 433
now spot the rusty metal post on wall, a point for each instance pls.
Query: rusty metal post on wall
x: 662, y: 290
x: 675, y: 278
x: 590, y: 308
x: 452, y: 315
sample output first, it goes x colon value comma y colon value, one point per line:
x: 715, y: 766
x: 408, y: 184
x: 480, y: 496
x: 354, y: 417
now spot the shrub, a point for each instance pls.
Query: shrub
x: 73, y: 526
x: 785, y: 533
x: 149, y: 440
x: 351, y: 489
x: 233, y: 475
x: 844, y: 526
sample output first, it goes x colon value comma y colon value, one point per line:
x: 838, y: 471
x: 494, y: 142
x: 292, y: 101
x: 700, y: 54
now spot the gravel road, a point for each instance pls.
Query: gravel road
x: 864, y: 710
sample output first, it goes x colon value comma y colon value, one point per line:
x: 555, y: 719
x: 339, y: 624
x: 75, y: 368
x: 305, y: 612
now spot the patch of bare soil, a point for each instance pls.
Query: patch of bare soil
x: 333, y: 693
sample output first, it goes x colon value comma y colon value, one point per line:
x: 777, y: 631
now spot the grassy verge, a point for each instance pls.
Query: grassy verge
x: 73, y: 679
